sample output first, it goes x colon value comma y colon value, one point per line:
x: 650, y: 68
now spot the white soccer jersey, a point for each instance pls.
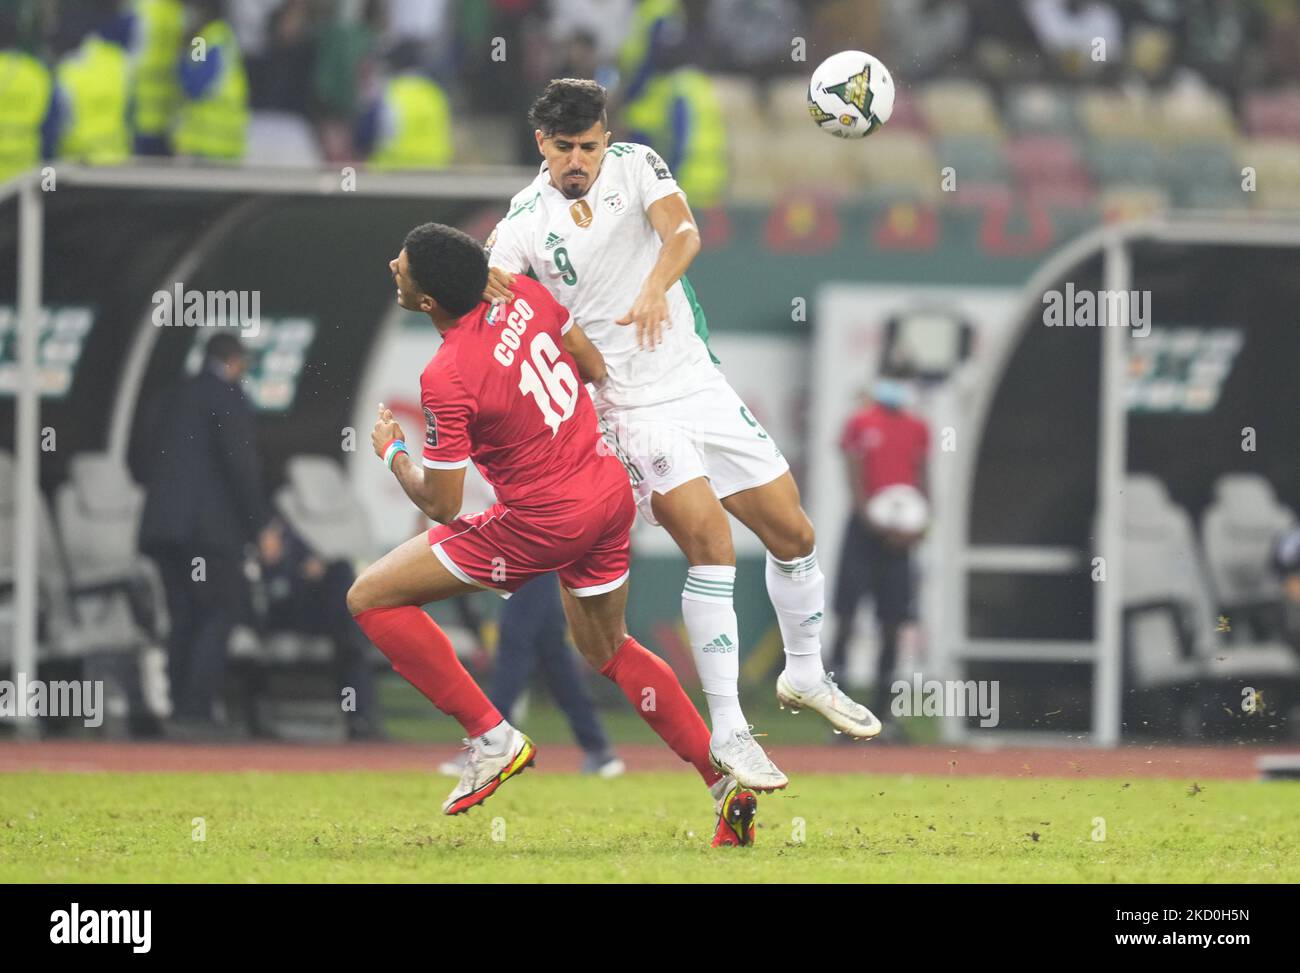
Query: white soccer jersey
x: 593, y: 255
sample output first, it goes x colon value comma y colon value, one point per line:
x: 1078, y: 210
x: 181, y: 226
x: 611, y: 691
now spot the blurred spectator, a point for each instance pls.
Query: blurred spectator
x: 195, y: 451
x: 589, y: 32
x: 672, y: 107
x: 1083, y: 37
x: 307, y: 594
x: 1286, y: 564
x: 532, y: 631
x: 925, y: 36
x: 1219, y: 39
x: 93, y: 90
x: 26, y: 103
x: 157, y: 35
x: 213, y: 121
x: 409, y: 125
x: 883, y: 445
x: 754, y: 35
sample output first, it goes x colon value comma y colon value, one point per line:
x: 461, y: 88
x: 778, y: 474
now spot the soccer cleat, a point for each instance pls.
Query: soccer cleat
x: 829, y: 700
x: 737, y: 807
x: 484, y: 773
x: 742, y: 758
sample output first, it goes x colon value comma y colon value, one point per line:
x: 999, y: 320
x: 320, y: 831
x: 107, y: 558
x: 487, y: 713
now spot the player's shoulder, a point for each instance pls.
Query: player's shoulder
x: 525, y: 202
x: 445, y: 368
x: 626, y: 155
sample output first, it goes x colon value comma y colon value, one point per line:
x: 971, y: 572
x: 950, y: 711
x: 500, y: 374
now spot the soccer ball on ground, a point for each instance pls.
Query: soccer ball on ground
x: 851, y: 95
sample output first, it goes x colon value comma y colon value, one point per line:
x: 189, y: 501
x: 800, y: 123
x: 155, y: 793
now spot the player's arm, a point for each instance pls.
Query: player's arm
x: 672, y: 219
x: 437, y: 492
x: 506, y: 258
x: 591, y: 363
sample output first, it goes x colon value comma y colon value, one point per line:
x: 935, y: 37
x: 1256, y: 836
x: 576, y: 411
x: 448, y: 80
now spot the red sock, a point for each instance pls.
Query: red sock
x: 422, y: 654
x: 635, y: 669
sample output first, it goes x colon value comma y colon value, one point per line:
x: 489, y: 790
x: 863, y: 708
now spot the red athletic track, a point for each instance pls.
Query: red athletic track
x: 1192, y: 763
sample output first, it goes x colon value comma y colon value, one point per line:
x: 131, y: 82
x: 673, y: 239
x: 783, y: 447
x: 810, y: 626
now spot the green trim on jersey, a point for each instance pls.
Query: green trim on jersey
x: 701, y: 324
x: 530, y: 205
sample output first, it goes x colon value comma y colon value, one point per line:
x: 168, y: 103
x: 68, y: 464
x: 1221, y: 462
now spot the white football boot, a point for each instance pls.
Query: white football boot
x: 484, y: 773
x: 829, y: 700
x: 742, y: 758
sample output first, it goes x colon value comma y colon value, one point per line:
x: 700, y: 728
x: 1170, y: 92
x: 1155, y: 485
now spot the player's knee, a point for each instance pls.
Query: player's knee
x: 708, y: 543
x: 360, y: 596
x: 795, y: 539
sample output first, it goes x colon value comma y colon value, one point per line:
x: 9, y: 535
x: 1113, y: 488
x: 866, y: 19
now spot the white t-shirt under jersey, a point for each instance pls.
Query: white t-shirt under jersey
x: 597, y: 271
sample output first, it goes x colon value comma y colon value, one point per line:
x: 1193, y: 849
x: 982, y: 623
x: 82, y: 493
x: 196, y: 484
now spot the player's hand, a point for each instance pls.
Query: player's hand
x: 498, y: 286
x: 385, y: 431
x: 650, y: 315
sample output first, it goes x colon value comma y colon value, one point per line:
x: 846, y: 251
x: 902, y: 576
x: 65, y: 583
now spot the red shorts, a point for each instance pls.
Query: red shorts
x: 502, y: 549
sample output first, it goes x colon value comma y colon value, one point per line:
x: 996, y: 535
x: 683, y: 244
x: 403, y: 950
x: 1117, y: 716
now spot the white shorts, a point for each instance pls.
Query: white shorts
x: 708, y: 433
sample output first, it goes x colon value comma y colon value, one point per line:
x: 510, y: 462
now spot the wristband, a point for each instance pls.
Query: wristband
x: 391, y: 451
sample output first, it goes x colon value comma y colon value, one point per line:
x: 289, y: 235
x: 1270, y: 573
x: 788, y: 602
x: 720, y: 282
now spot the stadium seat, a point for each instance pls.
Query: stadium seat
x: 960, y: 108
x: 1195, y: 114
x: 1276, y: 163
x: 738, y: 97
x: 976, y: 158
x: 1202, y: 174
x: 1050, y: 169
x: 1128, y: 161
x: 787, y: 103
x: 1167, y: 622
x: 1039, y: 109
x: 1238, y: 529
x: 1273, y: 114
x: 51, y: 580
x: 318, y: 503
x: 1170, y: 618
x: 281, y: 139
x: 901, y: 161
x: 1110, y: 113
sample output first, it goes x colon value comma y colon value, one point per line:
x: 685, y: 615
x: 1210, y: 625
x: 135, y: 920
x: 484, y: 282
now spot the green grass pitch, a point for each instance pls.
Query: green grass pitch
x: 551, y: 827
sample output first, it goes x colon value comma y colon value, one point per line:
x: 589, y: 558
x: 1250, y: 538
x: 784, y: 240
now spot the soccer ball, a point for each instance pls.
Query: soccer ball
x: 899, y: 509
x: 851, y: 95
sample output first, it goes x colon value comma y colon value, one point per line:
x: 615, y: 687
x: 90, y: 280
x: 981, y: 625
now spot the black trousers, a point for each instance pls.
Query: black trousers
x: 205, y: 600
x: 320, y: 607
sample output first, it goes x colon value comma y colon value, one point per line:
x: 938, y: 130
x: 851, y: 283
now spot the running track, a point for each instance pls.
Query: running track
x: 1193, y: 763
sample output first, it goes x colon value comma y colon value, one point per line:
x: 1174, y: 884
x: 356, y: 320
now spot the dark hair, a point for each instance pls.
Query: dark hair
x: 448, y: 265
x: 568, y: 106
x: 225, y: 348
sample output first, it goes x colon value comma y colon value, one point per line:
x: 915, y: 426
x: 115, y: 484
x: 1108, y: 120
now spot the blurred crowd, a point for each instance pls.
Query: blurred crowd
x: 420, y: 84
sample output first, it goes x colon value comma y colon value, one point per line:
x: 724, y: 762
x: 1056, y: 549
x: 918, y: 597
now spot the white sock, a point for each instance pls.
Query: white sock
x: 798, y: 592
x: 494, y: 741
x: 715, y: 640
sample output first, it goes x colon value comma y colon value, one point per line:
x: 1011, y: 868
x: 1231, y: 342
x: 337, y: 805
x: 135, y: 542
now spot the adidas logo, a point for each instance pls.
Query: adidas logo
x: 553, y: 240
x: 720, y: 644
x: 811, y: 620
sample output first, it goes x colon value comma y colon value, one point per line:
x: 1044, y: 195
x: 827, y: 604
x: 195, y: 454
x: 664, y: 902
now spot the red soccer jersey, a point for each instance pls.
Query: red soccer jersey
x: 503, y: 392
x: 890, y: 444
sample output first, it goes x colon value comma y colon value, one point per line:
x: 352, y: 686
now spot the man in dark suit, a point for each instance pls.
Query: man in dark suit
x: 196, y: 453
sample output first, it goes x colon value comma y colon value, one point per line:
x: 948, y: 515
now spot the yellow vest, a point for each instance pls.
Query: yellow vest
x: 636, y: 47
x: 216, y: 126
x: 702, y: 171
x: 96, y: 81
x: 157, y: 79
x: 25, y: 88
x: 421, y: 135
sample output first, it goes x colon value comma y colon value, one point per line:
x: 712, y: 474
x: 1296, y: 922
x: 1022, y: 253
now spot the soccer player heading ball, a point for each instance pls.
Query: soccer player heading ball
x: 505, y: 389
x: 610, y: 235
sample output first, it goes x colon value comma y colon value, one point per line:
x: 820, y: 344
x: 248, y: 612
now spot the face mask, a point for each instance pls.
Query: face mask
x: 889, y: 393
